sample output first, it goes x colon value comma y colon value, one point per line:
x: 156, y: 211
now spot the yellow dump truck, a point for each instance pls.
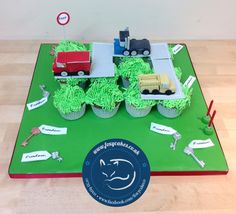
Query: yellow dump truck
x: 156, y: 84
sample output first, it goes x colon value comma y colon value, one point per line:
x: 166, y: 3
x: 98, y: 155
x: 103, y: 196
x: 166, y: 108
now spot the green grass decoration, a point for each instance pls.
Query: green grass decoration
x: 69, y: 98
x: 178, y: 72
x: 104, y: 93
x: 73, y: 81
x: 179, y: 104
x: 131, y: 67
x: 108, y: 80
x: 133, y: 97
x: 117, y: 73
x: 66, y: 45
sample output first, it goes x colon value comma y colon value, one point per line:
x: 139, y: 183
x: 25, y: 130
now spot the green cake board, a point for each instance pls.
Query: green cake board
x: 86, y: 132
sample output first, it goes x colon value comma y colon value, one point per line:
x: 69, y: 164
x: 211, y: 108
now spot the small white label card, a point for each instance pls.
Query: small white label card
x: 52, y: 130
x: 161, y: 129
x: 177, y: 48
x: 189, y: 82
x: 35, y: 156
x: 37, y: 103
x: 200, y: 144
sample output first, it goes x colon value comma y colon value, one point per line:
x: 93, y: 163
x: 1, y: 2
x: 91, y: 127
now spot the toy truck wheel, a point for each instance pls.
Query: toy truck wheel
x: 126, y: 53
x: 134, y: 53
x: 146, y: 52
x: 145, y: 91
x: 155, y: 91
x: 168, y: 92
x: 64, y: 74
x: 80, y: 73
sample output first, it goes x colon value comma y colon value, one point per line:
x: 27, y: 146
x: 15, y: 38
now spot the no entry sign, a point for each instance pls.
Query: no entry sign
x: 63, y: 18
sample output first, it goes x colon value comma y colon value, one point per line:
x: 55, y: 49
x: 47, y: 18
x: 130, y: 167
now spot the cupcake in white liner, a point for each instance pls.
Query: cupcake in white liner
x: 174, y: 108
x: 135, y: 112
x: 104, y: 97
x: 74, y: 115
x: 135, y: 106
x: 104, y: 113
x: 168, y: 112
x: 70, y: 102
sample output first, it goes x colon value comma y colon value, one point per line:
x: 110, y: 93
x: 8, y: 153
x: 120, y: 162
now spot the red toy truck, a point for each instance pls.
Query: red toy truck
x: 76, y: 63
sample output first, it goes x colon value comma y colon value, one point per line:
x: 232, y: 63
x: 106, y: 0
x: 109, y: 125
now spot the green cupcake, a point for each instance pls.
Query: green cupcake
x: 136, y: 106
x: 174, y: 108
x: 104, y: 97
x: 70, y: 101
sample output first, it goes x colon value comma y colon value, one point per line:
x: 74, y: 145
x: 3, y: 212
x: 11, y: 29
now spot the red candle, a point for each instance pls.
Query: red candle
x: 212, y: 118
x: 209, y: 108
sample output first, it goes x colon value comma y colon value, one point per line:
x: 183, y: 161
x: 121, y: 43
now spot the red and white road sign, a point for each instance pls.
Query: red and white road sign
x: 63, y: 18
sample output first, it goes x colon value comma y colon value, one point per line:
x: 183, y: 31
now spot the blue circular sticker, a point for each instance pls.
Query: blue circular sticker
x: 116, y: 172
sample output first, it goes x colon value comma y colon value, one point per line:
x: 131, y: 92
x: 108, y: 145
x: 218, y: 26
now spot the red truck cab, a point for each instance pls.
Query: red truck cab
x: 74, y: 63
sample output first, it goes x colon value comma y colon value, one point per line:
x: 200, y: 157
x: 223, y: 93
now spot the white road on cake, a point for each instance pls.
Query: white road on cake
x: 102, y: 61
x: 160, y: 51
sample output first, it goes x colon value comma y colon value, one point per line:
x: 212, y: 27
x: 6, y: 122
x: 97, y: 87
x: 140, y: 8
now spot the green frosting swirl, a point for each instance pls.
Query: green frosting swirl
x: 103, y: 80
x: 133, y: 97
x: 73, y: 81
x: 131, y: 67
x: 66, y: 45
x: 179, y: 104
x: 69, y: 98
x: 105, y: 93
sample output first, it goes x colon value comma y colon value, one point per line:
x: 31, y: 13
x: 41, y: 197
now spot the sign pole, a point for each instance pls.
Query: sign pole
x: 63, y: 19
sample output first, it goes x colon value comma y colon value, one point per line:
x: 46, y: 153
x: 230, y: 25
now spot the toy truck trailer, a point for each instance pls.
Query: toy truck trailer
x: 75, y: 63
x: 131, y: 47
x: 156, y: 84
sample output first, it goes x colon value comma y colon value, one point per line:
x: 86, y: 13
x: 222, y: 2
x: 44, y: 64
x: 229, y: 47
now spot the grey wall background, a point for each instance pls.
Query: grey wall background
x: 100, y: 20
